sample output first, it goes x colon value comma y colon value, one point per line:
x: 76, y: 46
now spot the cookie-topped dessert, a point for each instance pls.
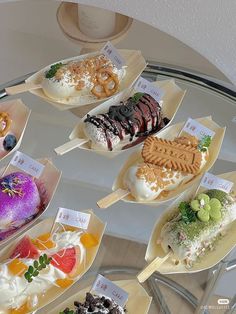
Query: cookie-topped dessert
x: 165, y: 165
x: 126, y: 123
x: 97, y: 305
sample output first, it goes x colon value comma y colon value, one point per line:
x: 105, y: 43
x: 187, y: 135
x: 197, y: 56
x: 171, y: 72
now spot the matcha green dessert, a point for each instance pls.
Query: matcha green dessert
x: 197, y: 224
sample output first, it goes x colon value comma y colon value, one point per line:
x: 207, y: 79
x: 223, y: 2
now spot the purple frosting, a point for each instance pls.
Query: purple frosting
x: 19, y: 200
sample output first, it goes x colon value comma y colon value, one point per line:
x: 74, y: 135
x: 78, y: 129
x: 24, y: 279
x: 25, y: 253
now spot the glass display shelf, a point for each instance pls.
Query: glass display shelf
x: 87, y: 177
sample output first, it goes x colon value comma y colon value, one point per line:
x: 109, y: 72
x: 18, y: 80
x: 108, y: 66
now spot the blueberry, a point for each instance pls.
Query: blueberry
x: 9, y: 142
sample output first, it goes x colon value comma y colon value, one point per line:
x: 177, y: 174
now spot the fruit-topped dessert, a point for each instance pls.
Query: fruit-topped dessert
x: 38, y: 265
x: 9, y: 140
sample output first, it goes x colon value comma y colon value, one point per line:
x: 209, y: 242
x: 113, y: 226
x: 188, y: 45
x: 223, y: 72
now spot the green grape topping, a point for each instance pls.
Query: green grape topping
x: 203, y: 215
x: 195, y: 205
x: 215, y: 204
x: 203, y: 197
x: 215, y: 214
x: 207, y: 207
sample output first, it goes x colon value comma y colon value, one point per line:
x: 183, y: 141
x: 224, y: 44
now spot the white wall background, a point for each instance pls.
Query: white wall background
x: 30, y: 38
x: 207, y: 26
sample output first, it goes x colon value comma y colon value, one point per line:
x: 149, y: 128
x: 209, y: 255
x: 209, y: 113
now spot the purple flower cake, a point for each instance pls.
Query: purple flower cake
x: 20, y: 201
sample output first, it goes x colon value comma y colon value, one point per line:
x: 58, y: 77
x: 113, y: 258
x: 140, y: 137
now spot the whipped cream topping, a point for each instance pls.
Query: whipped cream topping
x: 16, y: 290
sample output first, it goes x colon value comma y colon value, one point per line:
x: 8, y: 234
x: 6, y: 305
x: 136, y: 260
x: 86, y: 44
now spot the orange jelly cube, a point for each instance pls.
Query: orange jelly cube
x: 17, y: 267
x: 64, y: 283
x: 88, y: 240
x: 44, y: 242
x: 21, y: 310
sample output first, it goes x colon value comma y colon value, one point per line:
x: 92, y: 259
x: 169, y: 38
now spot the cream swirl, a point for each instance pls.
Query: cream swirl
x: 16, y: 290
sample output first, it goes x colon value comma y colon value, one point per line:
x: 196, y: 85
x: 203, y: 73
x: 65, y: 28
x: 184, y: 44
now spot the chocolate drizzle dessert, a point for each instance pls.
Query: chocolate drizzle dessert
x: 97, y: 305
x: 132, y: 120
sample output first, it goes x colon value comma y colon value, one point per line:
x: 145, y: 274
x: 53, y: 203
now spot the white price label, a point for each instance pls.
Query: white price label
x: 145, y: 86
x: 112, y: 53
x: 106, y: 287
x: 73, y: 218
x: 27, y: 164
x: 195, y: 128
x: 210, y: 181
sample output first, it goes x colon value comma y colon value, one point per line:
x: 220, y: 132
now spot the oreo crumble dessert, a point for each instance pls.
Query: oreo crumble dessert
x: 97, y: 305
x: 126, y: 124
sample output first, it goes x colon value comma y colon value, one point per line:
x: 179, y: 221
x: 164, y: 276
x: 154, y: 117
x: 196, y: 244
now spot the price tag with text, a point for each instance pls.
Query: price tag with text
x: 73, y: 218
x: 144, y: 86
x: 210, y: 181
x: 195, y: 128
x: 106, y: 287
x: 112, y: 53
x: 27, y: 164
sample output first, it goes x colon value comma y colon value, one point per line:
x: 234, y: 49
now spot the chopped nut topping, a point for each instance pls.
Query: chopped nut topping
x: 85, y: 68
x: 187, y: 140
x: 152, y: 174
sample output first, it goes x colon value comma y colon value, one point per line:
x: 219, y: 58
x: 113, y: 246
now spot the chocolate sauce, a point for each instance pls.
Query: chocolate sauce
x: 128, y: 117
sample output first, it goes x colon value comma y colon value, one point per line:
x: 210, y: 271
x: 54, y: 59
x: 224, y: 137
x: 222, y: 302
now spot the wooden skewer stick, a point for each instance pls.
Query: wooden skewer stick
x: 65, y: 148
x: 112, y: 198
x: 152, y: 267
x: 21, y: 88
x: 54, y: 223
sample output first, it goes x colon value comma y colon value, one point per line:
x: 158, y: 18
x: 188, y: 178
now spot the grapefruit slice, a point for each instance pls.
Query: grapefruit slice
x: 25, y: 249
x: 66, y: 260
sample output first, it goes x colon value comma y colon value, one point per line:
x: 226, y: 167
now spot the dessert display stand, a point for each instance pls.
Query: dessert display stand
x: 67, y: 18
x: 88, y: 177
x: 68, y: 21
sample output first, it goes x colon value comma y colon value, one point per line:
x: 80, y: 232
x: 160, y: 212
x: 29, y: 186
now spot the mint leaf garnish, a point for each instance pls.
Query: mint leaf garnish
x: 204, y: 143
x: 53, y: 69
x: 135, y: 98
x: 33, y: 270
x: 187, y: 214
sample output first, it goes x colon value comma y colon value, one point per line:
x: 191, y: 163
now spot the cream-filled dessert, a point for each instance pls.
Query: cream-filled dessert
x: 196, y: 225
x: 125, y: 124
x: 37, y: 265
x: 94, y: 76
x: 95, y: 304
x: 147, y: 180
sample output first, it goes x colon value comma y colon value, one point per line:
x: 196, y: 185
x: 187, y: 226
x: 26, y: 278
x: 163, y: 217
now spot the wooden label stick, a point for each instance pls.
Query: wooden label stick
x: 152, y: 267
x: 21, y: 88
x: 112, y: 198
x: 67, y: 147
